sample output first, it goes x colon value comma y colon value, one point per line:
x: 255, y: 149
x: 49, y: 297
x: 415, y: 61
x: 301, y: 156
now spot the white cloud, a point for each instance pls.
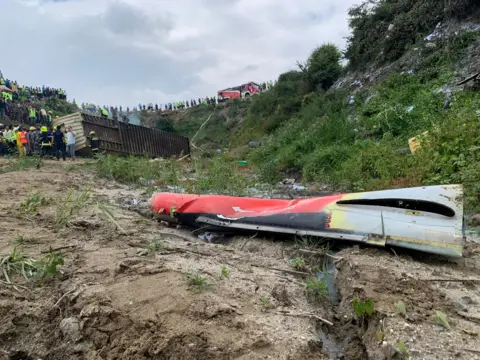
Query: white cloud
x: 124, y: 52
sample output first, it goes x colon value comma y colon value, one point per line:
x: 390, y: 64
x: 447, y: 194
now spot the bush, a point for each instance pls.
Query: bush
x: 323, y: 67
x: 165, y: 124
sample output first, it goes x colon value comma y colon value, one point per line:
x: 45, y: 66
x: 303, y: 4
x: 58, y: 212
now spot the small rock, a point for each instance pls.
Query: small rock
x: 390, y: 27
x: 431, y: 45
x: 70, y: 328
x: 467, y: 300
x: 142, y: 252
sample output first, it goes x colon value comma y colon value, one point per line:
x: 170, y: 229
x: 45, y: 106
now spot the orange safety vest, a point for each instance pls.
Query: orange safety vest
x: 23, y: 137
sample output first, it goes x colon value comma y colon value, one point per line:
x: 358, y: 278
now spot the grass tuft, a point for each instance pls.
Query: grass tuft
x: 17, y: 264
x: 73, y: 203
x: 155, y: 246
x: 30, y: 205
x: 316, y: 287
x: 224, y: 272
x: 266, y: 303
x: 198, y: 282
x: 22, y: 240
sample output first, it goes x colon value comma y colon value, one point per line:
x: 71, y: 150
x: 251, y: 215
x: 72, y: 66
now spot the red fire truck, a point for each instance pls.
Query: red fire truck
x: 236, y: 92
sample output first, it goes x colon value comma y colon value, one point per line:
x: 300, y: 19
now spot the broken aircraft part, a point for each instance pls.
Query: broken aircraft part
x: 428, y: 219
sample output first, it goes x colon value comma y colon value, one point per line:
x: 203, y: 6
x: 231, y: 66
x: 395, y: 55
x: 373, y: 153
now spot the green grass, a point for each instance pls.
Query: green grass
x: 34, y: 200
x: 316, y: 287
x: 266, y: 303
x: 73, y: 203
x: 298, y: 263
x: 155, y: 246
x: 441, y: 319
x: 19, y: 164
x: 22, y: 240
x: 18, y: 265
x: 198, y: 282
x: 400, y: 308
x: 224, y: 272
x: 220, y: 177
x: 217, y: 175
x: 363, y: 308
x: 400, y: 346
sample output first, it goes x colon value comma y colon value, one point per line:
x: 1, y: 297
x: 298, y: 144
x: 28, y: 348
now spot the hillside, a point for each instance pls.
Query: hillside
x: 349, y: 126
x: 225, y: 121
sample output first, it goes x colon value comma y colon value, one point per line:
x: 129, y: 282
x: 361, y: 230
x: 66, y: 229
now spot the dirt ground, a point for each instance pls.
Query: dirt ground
x: 114, y: 298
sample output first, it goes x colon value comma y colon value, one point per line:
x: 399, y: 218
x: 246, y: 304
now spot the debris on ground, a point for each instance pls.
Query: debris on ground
x: 157, y: 292
x: 388, y: 217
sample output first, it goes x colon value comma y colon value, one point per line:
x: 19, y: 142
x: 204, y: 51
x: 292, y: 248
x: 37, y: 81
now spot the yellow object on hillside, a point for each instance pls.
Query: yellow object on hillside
x: 415, y: 142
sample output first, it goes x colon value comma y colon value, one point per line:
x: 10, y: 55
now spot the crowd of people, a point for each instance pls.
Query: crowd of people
x: 119, y: 111
x: 42, y: 141
x: 22, y: 104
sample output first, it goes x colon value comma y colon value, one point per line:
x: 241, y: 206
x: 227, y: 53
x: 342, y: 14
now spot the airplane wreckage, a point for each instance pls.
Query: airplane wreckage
x: 428, y: 219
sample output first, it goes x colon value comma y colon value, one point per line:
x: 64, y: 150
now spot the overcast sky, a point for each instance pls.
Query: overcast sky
x: 122, y: 52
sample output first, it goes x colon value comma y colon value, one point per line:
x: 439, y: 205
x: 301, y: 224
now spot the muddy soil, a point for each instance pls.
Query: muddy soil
x: 116, y: 297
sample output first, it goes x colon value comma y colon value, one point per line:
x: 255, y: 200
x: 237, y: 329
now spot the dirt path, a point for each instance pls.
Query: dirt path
x: 131, y: 288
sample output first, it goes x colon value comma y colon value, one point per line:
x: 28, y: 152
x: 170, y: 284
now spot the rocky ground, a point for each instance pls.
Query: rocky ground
x: 133, y: 288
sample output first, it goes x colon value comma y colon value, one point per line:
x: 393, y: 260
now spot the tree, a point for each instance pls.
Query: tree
x: 323, y: 67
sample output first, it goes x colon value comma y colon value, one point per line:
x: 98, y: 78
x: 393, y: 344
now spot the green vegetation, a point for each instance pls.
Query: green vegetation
x: 155, y: 246
x: 400, y: 346
x: 363, y: 146
x: 22, y: 240
x: 316, y: 288
x: 216, y: 132
x: 73, y: 203
x: 441, y: 319
x: 58, y: 107
x: 222, y: 177
x: 224, y: 272
x: 380, y: 335
x: 132, y: 170
x: 217, y: 175
x: 298, y: 263
x: 18, y: 164
x: 400, y: 308
x: 363, y: 308
x: 266, y: 303
x: 322, y: 68
x: 16, y: 264
x: 30, y: 205
x: 358, y: 148
x: 198, y: 282
x: 405, y: 22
